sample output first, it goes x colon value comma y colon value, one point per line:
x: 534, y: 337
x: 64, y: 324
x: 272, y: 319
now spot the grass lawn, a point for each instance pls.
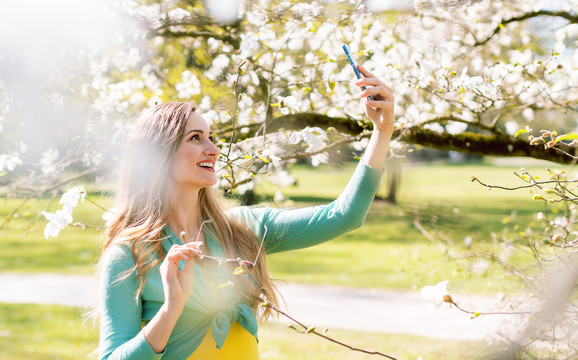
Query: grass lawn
x: 24, y: 248
x: 390, y: 252
x: 387, y: 252
x: 46, y: 332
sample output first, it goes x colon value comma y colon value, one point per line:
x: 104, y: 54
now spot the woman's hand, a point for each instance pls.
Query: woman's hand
x: 178, y: 284
x: 380, y: 108
x: 380, y: 111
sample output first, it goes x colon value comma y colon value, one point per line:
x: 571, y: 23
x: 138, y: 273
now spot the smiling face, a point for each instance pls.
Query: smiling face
x: 193, y: 163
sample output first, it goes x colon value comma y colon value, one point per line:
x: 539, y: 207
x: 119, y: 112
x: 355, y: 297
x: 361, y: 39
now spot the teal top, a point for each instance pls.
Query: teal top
x: 211, y: 304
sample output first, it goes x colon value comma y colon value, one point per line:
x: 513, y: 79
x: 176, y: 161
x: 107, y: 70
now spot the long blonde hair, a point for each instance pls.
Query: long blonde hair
x: 142, y: 201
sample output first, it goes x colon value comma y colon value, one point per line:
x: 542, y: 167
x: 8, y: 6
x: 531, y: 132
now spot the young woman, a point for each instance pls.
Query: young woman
x: 158, y: 297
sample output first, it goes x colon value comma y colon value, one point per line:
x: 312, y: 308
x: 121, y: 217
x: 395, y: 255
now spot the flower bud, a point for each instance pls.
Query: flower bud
x: 556, y: 237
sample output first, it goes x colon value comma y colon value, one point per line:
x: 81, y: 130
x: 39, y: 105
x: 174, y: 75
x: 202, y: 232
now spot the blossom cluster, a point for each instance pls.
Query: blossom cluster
x: 61, y: 218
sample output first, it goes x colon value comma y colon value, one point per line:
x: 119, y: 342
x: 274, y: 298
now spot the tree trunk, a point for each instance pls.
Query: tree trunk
x: 393, y: 176
x: 393, y: 170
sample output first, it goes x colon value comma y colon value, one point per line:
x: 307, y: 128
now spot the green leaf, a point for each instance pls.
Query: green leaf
x: 239, y: 271
x: 475, y: 315
x: 521, y: 131
x: 331, y: 85
x: 569, y: 136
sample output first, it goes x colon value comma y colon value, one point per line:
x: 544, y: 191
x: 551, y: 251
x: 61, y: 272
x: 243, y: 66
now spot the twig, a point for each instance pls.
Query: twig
x: 84, y: 226
x: 96, y: 204
x: 535, y: 183
x: 311, y: 330
x: 308, y: 329
x: 560, y: 255
x: 449, y: 300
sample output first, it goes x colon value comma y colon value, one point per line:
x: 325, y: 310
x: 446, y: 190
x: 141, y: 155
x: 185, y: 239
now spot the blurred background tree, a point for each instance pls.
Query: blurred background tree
x: 471, y: 78
x: 272, y: 79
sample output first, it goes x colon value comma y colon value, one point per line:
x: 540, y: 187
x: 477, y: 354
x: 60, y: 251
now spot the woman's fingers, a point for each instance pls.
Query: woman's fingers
x: 377, y: 104
x: 365, y: 72
x: 183, y: 252
x: 372, y: 82
x: 383, y: 92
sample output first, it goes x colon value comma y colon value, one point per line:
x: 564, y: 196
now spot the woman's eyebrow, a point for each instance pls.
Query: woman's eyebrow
x: 197, y: 130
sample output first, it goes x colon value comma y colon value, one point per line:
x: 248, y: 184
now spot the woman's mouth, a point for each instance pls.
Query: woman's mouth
x: 207, y: 165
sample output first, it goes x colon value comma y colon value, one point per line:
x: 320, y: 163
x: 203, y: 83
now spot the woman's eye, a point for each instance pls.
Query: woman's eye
x: 212, y: 139
x: 195, y: 137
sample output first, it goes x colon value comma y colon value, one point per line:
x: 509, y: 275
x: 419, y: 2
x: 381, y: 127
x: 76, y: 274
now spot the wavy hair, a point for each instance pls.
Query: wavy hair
x: 143, y: 202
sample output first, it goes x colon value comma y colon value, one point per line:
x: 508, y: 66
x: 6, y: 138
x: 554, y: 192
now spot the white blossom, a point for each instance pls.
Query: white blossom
x: 155, y: 100
x: 528, y: 114
x: 137, y: 99
x: 48, y: 160
x: 270, y: 156
x: 281, y: 178
x: 511, y: 127
x: 480, y: 266
x: 70, y: 198
x: 224, y: 11
x: 243, y: 188
x: 454, y: 127
x: 278, y: 197
x: 108, y: 216
x: 56, y: 222
x: 435, y: 294
x: 560, y: 221
x: 314, y: 137
x: 211, y: 117
x: 189, y: 86
x: 540, y: 216
x: 178, y: 14
x: 8, y: 162
x: 467, y: 82
x: 248, y: 45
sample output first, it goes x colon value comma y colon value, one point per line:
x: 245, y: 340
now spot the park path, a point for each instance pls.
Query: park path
x: 323, y: 306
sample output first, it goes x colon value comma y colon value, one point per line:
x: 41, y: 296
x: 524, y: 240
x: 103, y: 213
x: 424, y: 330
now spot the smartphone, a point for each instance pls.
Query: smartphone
x: 354, y: 65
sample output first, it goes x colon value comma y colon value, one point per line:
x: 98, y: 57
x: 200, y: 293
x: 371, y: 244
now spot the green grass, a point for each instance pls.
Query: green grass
x: 390, y: 252
x: 30, y: 332
x: 50, y: 332
x: 387, y: 252
x: 24, y: 248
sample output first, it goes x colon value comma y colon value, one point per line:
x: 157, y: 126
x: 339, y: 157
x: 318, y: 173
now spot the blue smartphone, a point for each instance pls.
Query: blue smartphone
x: 354, y: 65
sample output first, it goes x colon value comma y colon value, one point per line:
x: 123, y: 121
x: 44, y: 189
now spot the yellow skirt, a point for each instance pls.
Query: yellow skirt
x: 239, y: 344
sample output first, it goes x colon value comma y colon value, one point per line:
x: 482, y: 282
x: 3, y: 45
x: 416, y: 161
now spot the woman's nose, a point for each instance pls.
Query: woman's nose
x: 212, y: 149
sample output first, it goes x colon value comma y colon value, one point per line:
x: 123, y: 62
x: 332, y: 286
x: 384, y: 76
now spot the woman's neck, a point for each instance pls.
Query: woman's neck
x: 184, y: 214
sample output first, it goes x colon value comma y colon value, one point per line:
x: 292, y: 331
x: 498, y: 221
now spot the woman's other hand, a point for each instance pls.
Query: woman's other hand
x: 178, y: 284
x: 380, y: 108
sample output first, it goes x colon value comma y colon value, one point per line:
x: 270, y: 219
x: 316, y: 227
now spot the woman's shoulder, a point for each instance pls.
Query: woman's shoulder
x: 117, y: 258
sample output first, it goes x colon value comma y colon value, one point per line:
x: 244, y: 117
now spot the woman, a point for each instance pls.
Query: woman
x: 159, y: 300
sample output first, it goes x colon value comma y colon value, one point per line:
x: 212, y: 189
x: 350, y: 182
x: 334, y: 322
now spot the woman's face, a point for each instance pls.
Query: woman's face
x: 193, y: 164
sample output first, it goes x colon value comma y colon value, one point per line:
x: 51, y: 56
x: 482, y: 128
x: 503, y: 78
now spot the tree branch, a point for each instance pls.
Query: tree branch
x: 494, y: 144
x: 480, y: 144
x: 571, y: 17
